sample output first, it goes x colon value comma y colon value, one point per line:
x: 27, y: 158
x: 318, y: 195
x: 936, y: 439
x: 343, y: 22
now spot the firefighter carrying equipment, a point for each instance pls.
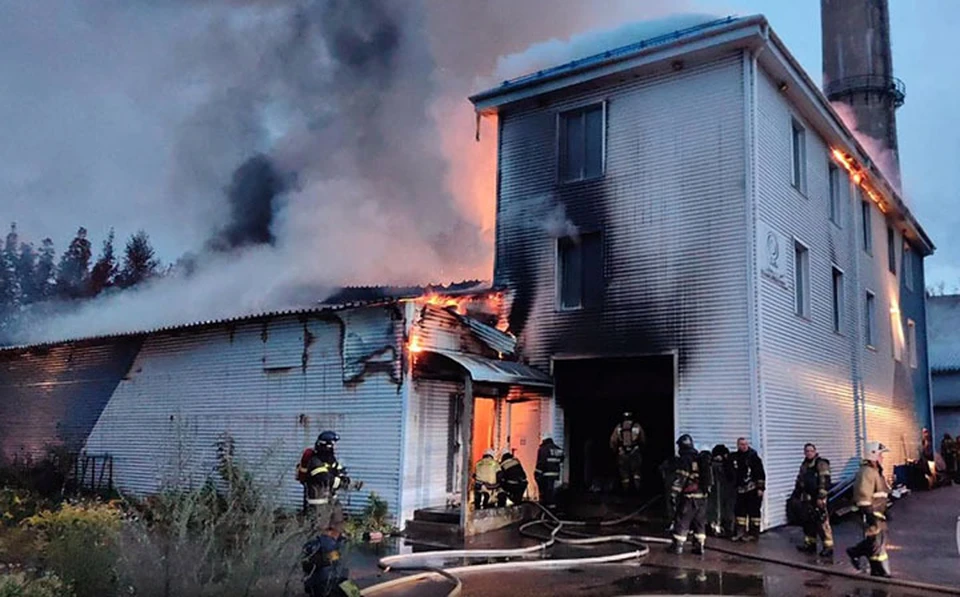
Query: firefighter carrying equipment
x: 512, y: 479
x: 811, y: 490
x: 324, y: 572
x: 691, y: 482
x: 485, y: 485
x: 627, y: 440
x: 750, y: 480
x: 326, y: 476
x: 870, y: 494
x: 547, y: 473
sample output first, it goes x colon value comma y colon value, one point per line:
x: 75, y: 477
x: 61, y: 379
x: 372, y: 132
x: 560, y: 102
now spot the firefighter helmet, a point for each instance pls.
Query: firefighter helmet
x: 627, y: 414
x: 874, y: 450
x: 327, y: 439
x: 685, y: 441
x: 489, y: 452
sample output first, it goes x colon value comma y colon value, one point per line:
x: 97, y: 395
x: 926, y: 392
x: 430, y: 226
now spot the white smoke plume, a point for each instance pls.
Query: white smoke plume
x: 361, y: 107
x: 877, y: 150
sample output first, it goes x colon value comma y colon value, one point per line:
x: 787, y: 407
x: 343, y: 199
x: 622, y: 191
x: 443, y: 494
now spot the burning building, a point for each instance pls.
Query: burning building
x: 733, y: 262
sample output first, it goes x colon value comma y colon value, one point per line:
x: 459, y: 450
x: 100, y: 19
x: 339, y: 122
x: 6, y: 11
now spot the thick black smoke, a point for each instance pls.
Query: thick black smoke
x: 252, y: 194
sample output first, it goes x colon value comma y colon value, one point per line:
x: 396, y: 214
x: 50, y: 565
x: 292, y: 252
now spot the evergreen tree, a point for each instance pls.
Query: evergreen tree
x: 44, y: 275
x: 11, y: 293
x: 26, y: 272
x: 74, y: 270
x: 139, y: 262
x: 105, y: 269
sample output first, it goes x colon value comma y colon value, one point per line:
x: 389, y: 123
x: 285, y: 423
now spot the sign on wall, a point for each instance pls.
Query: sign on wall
x: 773, y: 254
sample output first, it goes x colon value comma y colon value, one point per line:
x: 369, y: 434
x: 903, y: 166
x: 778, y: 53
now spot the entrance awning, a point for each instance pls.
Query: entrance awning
x: 484, y: 370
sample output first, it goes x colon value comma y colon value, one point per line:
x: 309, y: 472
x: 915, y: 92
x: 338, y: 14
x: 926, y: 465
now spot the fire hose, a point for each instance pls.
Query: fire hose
x: 585, y: 539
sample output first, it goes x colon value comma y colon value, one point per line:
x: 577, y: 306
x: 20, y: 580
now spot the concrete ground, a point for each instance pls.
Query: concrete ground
x: 923, y: 548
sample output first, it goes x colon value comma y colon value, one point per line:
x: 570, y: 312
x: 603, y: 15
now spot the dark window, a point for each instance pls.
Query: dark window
x: 837, y: 300
x: 581, y: 143
x: 799, y: 153
x: 835, y: 194
x: 891, y: 250
x: 801, y: 279
x: 870, y: 319
x: 580, y: 271
x: 907, y: 265
x: 865, y: 223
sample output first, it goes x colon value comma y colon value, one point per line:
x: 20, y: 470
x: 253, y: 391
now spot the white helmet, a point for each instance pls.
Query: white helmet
x: 489, y: 452
x: 874, y: 450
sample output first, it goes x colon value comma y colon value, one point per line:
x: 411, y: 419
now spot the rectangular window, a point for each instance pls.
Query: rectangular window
x: 912, y: 343
x: 835, y: 201
x: 579, y: 271
x: 865, y: 223
x: 582, y: 143
x: 801, y: 278
x: 799, y: 156
x: 870, y: 319
x: 891, y: 250
x: 907, y: 266
x: 837, y: 300
x: 896, y: 335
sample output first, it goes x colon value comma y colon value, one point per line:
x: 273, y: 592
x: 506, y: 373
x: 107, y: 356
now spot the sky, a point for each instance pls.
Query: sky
x: 135, y: 114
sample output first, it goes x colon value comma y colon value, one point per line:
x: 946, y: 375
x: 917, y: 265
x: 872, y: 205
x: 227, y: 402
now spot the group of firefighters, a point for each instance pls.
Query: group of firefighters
x: 701, y: 486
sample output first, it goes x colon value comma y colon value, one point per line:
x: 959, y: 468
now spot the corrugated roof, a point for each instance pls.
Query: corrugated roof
x: 943, y: 332
x: 348, y: 294
x: 204, y: 323
x: 484, y: 370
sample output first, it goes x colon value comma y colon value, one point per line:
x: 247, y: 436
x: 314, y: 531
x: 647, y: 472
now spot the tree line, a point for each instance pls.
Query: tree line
x: 31, y: 275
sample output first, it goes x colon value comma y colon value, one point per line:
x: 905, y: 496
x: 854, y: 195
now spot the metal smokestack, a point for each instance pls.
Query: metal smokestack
x: 858, y: 66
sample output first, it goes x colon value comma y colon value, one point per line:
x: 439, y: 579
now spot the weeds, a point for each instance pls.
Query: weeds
x: 375, y: 518
x: 19, y: 584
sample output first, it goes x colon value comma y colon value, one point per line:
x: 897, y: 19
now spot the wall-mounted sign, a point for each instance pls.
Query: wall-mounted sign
x: 773, y: 254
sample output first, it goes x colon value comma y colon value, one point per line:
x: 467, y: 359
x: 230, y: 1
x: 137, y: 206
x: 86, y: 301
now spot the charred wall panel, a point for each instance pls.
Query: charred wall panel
x: 52, y: 396
x: 671, y: 212
x: 185, y: 389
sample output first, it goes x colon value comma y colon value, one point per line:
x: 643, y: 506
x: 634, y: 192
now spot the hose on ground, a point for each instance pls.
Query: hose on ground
x: 401, y: 562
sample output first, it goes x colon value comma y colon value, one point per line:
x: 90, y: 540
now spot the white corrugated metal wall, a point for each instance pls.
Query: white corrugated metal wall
x: 807, y: 369
x: 671, y: 208
x: 267, y: 385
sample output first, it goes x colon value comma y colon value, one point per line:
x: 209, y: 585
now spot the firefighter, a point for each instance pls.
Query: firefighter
x: 511, y: 478
x: 812, y: 487
x: 326, y: 476
x: 627, y: 440
x: 722, y: 494
x: 948, y: 449
x: 325, y: 574
x: 750, y: 481
x: 485, y: 486
x: 547, y: 473
x: 691, y: 481
x: 870, y: 491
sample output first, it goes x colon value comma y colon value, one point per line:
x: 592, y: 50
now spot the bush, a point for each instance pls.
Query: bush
x: 21, y: 585
x: 375, y: 517
x: 17, y: 505
x: 80, y: 544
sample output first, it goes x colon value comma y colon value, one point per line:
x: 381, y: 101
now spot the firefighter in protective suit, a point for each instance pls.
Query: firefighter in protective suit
x: 512, y: 479
x: 870, y: 492
x: 691, y: 482
x: 324, y: 572
x: 751, y: 480
x: 627, y: 440
x: 547, y: 474
x: 485, y: 483
x: 812, y: 488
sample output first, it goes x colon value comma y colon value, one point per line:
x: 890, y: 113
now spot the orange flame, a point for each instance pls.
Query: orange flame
x: 859, y: 177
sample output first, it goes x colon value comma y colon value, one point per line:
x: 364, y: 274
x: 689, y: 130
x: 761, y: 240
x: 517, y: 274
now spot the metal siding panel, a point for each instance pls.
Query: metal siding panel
x: 187, y: 388
x: 809, y: 372
x: 427, y: 445
x: 672, y: 209
x: 53, y: 396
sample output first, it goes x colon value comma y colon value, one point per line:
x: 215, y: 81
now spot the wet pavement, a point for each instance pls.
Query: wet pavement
x: 923, y: 548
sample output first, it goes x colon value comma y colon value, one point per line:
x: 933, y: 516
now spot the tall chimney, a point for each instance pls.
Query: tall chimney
x: 858, y: 65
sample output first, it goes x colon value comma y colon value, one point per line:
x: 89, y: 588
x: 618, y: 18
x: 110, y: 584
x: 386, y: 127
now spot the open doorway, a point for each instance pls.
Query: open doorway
x: 594, y: 392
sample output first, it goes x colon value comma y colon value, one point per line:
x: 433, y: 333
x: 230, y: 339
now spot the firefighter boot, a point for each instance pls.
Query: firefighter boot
x: 880, y: 568
x: 807, y: 547
x: 854, y: 558
x: 826, y: 552
x: 698, y: 546
x: 676, y: 547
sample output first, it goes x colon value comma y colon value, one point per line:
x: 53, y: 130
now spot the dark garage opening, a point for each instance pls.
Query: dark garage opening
x: 594, y: 393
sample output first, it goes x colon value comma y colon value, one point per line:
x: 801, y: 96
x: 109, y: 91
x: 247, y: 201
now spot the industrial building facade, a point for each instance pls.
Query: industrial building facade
x: 405, y: 383
x: 727, y: 261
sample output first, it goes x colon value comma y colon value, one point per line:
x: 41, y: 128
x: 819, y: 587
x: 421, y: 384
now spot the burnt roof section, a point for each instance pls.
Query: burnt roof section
x: 349, y: 294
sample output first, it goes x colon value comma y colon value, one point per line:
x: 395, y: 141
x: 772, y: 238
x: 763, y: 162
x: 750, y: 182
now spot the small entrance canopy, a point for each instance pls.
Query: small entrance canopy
x: 493, y: 371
